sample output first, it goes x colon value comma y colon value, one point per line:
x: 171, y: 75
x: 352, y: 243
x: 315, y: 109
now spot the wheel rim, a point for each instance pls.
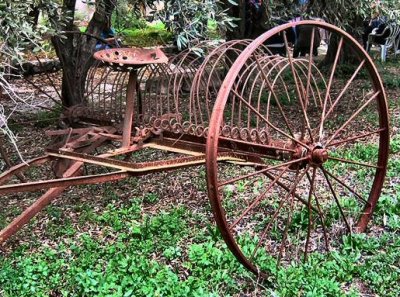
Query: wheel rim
x: 329, y: 178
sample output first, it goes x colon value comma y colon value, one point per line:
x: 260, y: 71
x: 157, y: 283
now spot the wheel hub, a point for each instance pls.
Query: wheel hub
x: 318, y: 156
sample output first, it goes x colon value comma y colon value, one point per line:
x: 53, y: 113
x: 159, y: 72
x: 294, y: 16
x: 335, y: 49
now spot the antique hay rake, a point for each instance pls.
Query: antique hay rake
x: 280, y: 137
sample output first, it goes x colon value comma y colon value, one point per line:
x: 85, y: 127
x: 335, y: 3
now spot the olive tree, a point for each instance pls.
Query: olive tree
x: 18, y: 31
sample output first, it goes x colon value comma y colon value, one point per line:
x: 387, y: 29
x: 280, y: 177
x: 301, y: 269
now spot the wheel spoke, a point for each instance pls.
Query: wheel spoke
x: 301, y: 99
x: 355, y: 137
x: 321, y: 216
x: 268, y: 122
x: 340, y: 96
x: 286, y: 188
x: 310, y: 62
x: 328, y: 88
x: 310, y: 193
x: 289, y: 219
x: 260, y: 172
x: 336, y: 200
x: 353, y: 162
x: 266, y: 229
x: 346, y: 186
x: 257, y: 201
x: 352, y: 117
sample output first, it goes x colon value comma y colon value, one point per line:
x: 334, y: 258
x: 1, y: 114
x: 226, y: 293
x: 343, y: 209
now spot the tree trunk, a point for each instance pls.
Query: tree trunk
x: 75, y: 50
x: 237, y: 11
x: 34, y: 15
x: 347, y: 54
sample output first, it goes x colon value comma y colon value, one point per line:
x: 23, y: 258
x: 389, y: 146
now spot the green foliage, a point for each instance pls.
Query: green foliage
x: 391, y: 81
x: 173, y: 254
x: 132, y: 259
x: 126, y: 16
x: 149, y: 36
x: 189, y: 20
x: 47, y: 117
x: 381, y: 269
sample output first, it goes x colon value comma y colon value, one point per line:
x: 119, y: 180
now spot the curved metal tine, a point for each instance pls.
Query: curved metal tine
x: 268, y: 122
x: 258, y: 200
x: 260, y: 172
x: 309, y: 226
x: 122, y: 94
x: 315, y: 94
x: 353, y: 117
x: 265, y: 79
x: 196, y: 106
x: 296, y: 81
x: 290, y: 212
x: 336, y: 200
x: 89, y: 85
x: 222, y: 56
x: 238, y: 85
x: 197, y: 99
x: 320, y: 215
x: 173, y: 71
x: 244, y: 77
x: 158, y: 75
x: 148, y: 89
x: 270, y: 60
x: 177, y: 83
x: 188, y: 69
x: 103, y: 92
x: 102, y: 77
x: 305, y: 128
x: 328, y: 89
x: 278, y: 75
x: 116, y: 86
x: 316, y: 86
x: 310, y: 62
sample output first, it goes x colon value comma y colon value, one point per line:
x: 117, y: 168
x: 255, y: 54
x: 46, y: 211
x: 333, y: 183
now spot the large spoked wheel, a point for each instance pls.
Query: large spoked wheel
x: 315, y: 121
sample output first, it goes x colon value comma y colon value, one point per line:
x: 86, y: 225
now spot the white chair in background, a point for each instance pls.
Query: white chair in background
x: 391, y: 41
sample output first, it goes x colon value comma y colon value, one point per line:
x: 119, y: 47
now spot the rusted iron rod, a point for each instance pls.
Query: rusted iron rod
x: 152, y: 166
x: 17, y: 169
x: 37, y: 206
x: 71, y: 171
x: 130, y: 98
x: 62, y: 182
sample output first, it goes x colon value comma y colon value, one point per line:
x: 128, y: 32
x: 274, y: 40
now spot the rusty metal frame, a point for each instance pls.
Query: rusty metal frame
x: 209, y: 132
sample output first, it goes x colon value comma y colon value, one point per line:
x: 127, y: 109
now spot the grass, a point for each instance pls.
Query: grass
x: 135, y: 256
x: 151, y: 35
x: 116, y: 247
x: 156, y: 34
x: 167, y: 255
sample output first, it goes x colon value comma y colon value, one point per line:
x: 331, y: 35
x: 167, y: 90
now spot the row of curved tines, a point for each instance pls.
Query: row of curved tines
x: 179, y: 96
